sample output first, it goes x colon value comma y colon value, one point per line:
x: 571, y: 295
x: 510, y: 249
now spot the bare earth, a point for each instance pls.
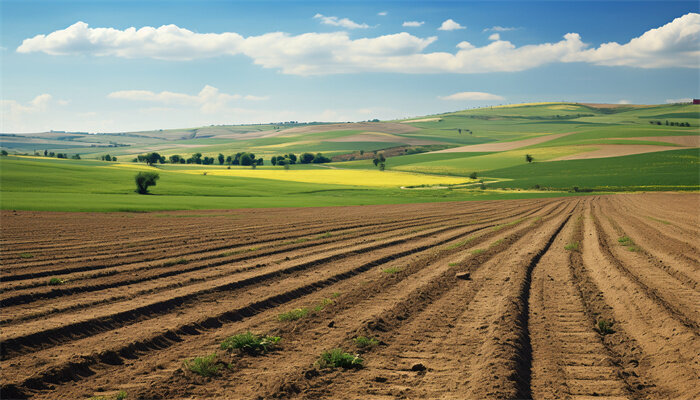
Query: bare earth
x: 503, y: 146
x: 421, y: 120
x: 142, y: 293
x: 687, y: 140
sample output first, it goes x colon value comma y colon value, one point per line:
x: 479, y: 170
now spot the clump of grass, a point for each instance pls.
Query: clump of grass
x: 629, y: 243
x: 324, y: 236
x: 477, y: 251
x: 56, y: 281
x: 460, y: 243
x: 205, y: 366
x: 337, y: 358
x: 335, y: 295
x: 26, y: 255
x: 364, y: 342
x: 121, y: 395
x: 391, y: 270
x: 293, y: 315
x: 175, y: 262
x: 496, y: 243
x: 250, y: 343
x: 605, y: 327
x: 573, y: 246
x: 322, y: 305
x: 452, y: 264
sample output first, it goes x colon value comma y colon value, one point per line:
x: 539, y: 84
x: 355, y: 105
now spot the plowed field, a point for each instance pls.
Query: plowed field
x: 562, y: 298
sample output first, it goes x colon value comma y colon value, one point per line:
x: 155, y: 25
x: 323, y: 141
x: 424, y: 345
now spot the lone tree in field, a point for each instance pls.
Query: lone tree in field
x: 144, y: 180
x: 379, y: 159
x: 529, y: 158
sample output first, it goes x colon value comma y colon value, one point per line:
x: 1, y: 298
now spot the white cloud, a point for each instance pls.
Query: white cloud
x: 623, y: 101
x: 499, y: 29
x: 342, y: 22
x: 683, y: 100
x: 413, y: 24
x: 478, y: 96
x: 15, y: 116
x: 382, y: 13
x: 450, y: 25
x: 209, y: 99
x: 676, y: 44
x: 494, y: 36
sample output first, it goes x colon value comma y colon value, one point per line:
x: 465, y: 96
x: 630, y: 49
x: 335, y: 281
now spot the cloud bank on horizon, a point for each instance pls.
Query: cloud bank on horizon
x: 675, y: 44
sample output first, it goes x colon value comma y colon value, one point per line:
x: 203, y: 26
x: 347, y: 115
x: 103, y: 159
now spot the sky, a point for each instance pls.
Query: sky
x: 115, y: 66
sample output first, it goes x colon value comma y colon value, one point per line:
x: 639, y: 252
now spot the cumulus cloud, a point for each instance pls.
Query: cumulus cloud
x: 450, y: 25
x: 465, y: 96
x: 382, y: 13
x: 209, y: 99
x: 676, y: 44
x: 342, y: 22
x: 413, y: 24
x: 494, y: 36
x: 15, y: 116
x: 499, y: 29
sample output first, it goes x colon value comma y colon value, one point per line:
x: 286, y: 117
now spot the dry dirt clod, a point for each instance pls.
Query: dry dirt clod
x: 418, y: 367
x: 463, y: 275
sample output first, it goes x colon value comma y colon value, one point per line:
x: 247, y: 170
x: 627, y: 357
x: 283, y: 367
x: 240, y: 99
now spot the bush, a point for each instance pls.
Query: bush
x: 365, y: 342
x: 293, y: 315
x: 144, y: 180
x: 605, y: 327
x: 250, y: 343
x: 306, y: 158
x: 3, y: 152
x: 205, y: 366
x: 338, y: 358
x: 56, y: 281
x: 573, y: 246
x: 472, y: 175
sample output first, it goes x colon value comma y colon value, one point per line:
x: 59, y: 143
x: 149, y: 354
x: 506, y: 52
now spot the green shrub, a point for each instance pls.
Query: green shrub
x: 204, y: 366
x: 365, y: 342
x: 250, y: 343
x: 337, y: 358
x: 294, y: 314
x: 121, y: 395
x: 26, y: 255
x: 56, y: 281
x: 573, y: 246
x: 323, y: 304
x: 391, y: 270
x: 605, y: 327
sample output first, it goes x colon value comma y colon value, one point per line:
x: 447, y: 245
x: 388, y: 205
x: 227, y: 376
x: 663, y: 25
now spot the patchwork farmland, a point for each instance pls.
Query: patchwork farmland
x: 544, y: 298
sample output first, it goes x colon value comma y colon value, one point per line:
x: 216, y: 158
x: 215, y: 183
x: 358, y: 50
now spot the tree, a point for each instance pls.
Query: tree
x: 221, y: 159
x: 197, y: 158
x: 529, y: 158
x: 382, y: 166
x: 144, y: 180
x: 472, y: 175
x: 306, y: 158
x: 379, y: 158
x: 247, y: 159
x: 292, y: 158
x: 273, y: 160
x: 459, y: 130
x: 260, y: 161
x: 175, y: 159
x: 152, y: 158
x: 76, y: 156
x: 320, y: 159
x: 3, y: 152
x: 46, y: 153
x: 114, y: 158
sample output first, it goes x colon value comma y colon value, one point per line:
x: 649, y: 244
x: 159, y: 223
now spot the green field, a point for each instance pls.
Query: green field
x: 44, y: 183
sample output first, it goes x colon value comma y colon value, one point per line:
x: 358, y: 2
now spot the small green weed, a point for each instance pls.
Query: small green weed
x: 337, y: 358
x: 460, y: 243
x: 322, y: 305
x: 335, y: 295
x: 250, y: 343
x: 573, y: 246
x: 324, y: 236
x: 605, y: 327
x: 391, y: 270
x: 629, y: 243
x: 26, y: 255
x: 293, y: 315
x: 121, y: 395
x: 660, y: 220
x: 477, y: 251
x: 56, y: 281
x: 365, y: 342
x: 496, y: 243
x: 175, y: 262
x: 452, y: 264
x: 204, y: 366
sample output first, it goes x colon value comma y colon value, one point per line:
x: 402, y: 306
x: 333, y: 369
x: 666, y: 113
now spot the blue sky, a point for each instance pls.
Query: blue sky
x: 108, y: 66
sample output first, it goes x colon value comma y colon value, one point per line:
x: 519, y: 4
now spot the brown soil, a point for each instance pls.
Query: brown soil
x: 522, y: 325
x: 687, y: 140
x: 385, y: 127
x: 503, y: 146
